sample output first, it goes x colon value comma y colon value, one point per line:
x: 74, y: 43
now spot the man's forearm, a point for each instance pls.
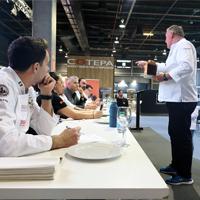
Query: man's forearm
x: 47, y: 106
x: 77, y: 108
x: 56, y: 142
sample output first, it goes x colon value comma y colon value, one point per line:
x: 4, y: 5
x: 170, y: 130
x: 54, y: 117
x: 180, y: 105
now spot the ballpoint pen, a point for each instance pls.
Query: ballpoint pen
x: 67, y: 127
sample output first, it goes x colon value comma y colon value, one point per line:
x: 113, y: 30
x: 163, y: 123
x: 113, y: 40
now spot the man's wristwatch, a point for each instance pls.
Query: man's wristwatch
x: 46, y: 97
x: 165, y: 78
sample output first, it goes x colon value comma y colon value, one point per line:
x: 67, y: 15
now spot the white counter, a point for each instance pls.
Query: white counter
x: 129, y: 176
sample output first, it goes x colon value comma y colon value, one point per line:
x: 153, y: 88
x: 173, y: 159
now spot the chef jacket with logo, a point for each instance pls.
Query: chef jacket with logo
x: 18, y: 111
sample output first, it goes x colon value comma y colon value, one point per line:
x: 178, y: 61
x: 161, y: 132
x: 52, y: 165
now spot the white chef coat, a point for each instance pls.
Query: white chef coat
x: 64, y: 98
x: 89, y: 100
x: 18, y: 111
x: 181, y: 65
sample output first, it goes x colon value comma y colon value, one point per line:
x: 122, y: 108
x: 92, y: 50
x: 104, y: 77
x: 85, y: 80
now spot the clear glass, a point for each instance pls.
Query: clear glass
x: 123, y: 118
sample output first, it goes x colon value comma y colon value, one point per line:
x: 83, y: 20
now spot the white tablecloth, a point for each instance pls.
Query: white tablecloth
x: 130, y: 176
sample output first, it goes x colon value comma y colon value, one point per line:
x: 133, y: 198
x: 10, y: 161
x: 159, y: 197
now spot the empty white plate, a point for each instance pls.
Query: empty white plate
x: 94, y: 150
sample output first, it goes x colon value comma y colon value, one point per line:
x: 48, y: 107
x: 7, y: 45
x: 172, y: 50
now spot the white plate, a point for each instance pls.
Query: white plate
x: 147, y: 76
x: 94, y: 150
x: 102, y: 121
x: 105, y: 114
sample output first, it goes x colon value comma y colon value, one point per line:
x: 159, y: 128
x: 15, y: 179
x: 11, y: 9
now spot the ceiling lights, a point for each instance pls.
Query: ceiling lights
x: 134, y: 82
x: 122, y: 84
x: 198, y: 59
x: 122, y: 25
x: 128, y: 61
x: 114, y: 50
x: 66, y: 55
x: 155, y: 58
x: 164, y: 52
x: 116, y: 41
x: 60, y: 49
x: 149, y: 34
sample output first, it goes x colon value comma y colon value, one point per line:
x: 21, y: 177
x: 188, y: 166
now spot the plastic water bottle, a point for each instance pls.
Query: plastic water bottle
x: 119, y: 128
x: 108, y: 102
x: 113, y: 114
x: 104, y: 101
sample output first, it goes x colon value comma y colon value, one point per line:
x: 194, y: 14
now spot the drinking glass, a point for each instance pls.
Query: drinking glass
x: 123, y: 118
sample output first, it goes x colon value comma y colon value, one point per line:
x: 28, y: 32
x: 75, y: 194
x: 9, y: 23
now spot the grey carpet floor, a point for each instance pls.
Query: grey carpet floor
x: 160, y: 125
x: 158, y: 149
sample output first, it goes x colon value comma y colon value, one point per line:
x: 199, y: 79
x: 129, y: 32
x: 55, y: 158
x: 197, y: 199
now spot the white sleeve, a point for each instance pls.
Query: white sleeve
x: 78, y: 94
x: 185, y: 60
x: 160, y: 67
x: 64, y: 98
x: 40, y: 120
x: 85, y: 95
x: 89, y: 100
x: 12, y: 141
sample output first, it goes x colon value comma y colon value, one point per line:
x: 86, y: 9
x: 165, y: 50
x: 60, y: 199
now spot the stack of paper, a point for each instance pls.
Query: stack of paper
x: 28, y: 168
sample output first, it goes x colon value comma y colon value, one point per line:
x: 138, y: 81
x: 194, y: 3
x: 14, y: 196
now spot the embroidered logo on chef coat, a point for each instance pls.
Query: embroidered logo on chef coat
x: 3, y: 91
x: 20, y: 83
x: 23, y: 107
x: 30, y: 102
x: 22, y: 123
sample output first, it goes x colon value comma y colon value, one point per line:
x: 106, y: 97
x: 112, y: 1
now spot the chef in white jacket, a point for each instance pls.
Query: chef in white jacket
x: 28, y: 60
x: 177, y: 87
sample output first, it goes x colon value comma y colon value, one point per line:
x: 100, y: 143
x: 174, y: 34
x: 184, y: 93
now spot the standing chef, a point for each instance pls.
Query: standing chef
x: 28, y: 59
x: 177, y: 87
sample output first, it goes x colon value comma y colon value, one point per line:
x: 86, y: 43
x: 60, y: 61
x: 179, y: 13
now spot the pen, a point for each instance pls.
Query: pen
x: 67, y: 127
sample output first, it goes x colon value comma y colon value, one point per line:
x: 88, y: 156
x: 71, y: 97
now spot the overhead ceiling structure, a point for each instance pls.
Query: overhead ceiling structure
x: 90, y: 27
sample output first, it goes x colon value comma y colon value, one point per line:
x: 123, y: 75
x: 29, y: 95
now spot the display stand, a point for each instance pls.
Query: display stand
x: 137, y: 127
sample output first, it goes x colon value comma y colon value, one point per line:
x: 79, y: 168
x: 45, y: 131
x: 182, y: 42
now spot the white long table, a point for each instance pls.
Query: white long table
x: 130, y: 176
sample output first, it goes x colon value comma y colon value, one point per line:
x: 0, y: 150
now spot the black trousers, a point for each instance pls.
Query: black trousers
x: 180, y: 135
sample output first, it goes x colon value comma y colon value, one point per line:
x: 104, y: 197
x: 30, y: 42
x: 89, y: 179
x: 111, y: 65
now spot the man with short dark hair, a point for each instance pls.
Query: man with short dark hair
x: 121, y: 101
x: 82, y: 83
x: 91, y: 103
x: 28, y: 59
x: 88, y: 92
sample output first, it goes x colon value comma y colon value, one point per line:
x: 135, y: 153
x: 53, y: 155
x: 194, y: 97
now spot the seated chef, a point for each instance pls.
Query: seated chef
x: 28, y: 59
x: 61, y: 108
